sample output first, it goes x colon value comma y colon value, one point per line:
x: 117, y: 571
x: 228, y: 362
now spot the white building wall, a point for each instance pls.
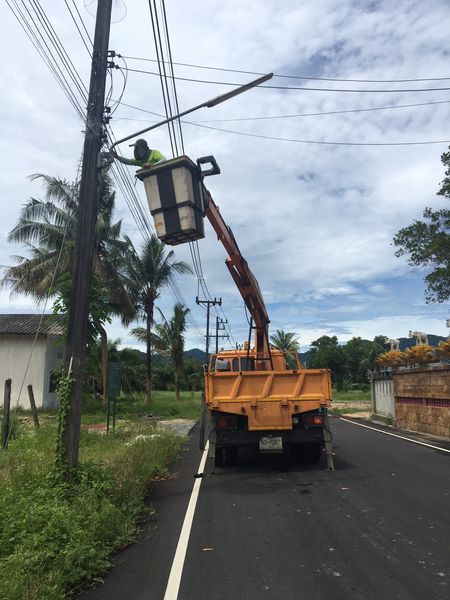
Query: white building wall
x: 14, y: 356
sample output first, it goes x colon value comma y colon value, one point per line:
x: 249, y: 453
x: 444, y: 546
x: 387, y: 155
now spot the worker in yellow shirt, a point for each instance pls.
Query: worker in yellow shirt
x: 143, y: 155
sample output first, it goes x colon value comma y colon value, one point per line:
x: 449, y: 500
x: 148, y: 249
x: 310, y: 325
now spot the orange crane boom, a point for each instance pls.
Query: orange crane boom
x: 242, y: 275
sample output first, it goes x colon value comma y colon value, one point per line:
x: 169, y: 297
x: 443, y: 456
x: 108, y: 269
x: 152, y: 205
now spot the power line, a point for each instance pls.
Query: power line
x: 298, y: 88
x: 165, y: 78
x: 319, y: 142
x: 281, y: 139
x: 162, y: 76
x: 82, y: 22
x: 46, y: 57
x: 122, y: 176
x: 303, y: 77
x: 174, y: 87
x: 59, y: 48
x: 79, y: 30
x: 331, y: 112
x: 291, y: 116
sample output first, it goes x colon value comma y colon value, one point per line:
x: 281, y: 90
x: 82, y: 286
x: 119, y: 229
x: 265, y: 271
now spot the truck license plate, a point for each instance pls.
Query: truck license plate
x: 271, y: 444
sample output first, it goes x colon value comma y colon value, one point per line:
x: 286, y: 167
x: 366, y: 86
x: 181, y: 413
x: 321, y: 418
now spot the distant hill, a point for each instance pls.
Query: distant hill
x: 196, y: 354
x: 433, y: 340
x: 303, y: 357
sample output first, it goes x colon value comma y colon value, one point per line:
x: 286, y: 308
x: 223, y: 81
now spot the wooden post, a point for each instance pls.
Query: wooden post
x: 33, y: 406
x: 6, y: 408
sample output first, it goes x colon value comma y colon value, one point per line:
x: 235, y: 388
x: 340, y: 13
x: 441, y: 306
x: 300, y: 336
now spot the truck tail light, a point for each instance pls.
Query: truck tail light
x: 226, y: 423
x: 311, y: 420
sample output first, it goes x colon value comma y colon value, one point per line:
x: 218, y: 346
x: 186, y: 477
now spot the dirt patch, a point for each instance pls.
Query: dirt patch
x: 179, y: 426
x: 356, y: 415
x: 96, y: 427
x: 363, y: 406
x: 359, y: 410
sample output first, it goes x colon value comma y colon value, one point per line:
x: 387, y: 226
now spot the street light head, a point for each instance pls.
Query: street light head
x: 239, y: 90
x: 207, y: 104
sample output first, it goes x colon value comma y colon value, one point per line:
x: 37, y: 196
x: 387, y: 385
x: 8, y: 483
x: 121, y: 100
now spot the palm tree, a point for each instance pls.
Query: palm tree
x: 285, y: 341
x: 169, y: 340
x: 147, y: 273
x: 48, y: 228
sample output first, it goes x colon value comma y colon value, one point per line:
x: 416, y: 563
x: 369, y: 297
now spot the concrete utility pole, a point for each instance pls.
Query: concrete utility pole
x: 208, y: 303
x: 85, y: 238
x: 220, y: 327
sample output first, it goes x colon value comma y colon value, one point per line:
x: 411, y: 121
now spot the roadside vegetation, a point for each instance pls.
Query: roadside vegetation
x: 351, y: 402
x: 134, y: 407
x: 53, y: 536
x: 57, y: 531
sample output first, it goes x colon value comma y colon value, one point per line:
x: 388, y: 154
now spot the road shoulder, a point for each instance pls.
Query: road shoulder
x: 142, y: 570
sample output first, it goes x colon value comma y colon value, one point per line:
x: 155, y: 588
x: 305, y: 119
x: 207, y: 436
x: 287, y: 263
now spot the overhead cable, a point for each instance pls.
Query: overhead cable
x: 291, y: 116
x: 304, y: 77
x: 65, y: 73
x: 325, y: 113
x: 89, y: 50
x: 302, y: 141
x: 301, y: 88
x: 318, y: 142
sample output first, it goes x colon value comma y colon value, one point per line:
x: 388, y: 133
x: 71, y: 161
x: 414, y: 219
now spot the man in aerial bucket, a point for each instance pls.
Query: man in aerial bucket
x: 143, y: 156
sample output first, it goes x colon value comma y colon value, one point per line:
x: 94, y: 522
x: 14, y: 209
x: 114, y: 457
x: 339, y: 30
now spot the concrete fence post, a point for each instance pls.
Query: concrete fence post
x: 6, y: 412
x: 33, y: 406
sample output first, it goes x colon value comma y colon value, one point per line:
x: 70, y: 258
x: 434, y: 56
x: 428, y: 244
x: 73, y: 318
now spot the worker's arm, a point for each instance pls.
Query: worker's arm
x: 125, y: 161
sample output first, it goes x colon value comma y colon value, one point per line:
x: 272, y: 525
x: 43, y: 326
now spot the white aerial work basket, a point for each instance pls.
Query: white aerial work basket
x: 174, y: 190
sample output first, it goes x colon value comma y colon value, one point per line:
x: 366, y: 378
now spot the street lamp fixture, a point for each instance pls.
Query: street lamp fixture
x: 208, y: 104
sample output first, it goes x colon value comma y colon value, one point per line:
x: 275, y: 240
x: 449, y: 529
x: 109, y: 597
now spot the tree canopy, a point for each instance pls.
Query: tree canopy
x: 427, y: 243
x: 285, y: 341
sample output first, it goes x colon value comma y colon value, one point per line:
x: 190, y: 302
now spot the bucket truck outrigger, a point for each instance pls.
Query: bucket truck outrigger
x: 257, y: 395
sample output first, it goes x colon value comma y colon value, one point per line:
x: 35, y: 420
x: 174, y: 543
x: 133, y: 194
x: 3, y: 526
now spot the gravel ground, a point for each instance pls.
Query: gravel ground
x: 179, y: 426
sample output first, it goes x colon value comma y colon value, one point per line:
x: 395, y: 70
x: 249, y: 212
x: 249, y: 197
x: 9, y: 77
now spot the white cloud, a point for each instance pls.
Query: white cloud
x: 314, y: 222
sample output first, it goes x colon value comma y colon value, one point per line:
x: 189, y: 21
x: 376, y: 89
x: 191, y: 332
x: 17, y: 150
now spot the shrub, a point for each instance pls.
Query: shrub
x: 54, y: 536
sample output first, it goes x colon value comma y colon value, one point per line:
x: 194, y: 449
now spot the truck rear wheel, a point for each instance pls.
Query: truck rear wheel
x: 219, y: 457
x: 225, y: 456
x: 314, y: 452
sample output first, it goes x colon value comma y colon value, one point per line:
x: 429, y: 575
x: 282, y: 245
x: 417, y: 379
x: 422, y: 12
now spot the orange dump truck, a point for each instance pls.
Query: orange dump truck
x: 282, y: 409
x: 257, y: 396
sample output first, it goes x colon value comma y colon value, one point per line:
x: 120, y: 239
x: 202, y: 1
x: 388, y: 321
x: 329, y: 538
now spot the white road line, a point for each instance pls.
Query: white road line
x: 402, y: 437
x: 173, y: 585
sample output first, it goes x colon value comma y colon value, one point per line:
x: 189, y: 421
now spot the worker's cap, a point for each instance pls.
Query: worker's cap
x: 139, y: 142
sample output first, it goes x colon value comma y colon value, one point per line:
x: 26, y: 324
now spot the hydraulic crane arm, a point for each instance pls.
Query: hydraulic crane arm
x: 242, y: 276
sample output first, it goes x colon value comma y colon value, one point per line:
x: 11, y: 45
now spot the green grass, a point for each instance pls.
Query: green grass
x: 54, y: 537
x: 133, y: 406
x: 351, y: 396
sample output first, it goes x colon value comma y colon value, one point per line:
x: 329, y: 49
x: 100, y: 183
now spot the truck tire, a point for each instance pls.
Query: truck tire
x: 314, y: 452
x: 219, y: 457
x: 225, y: 456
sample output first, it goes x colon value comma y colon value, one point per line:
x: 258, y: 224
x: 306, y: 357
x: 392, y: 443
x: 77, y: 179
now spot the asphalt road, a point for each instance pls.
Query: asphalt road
x: 377, y: 528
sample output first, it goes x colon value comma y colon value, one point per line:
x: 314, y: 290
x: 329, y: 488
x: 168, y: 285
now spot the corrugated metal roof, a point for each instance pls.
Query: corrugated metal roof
x: 28, y: 324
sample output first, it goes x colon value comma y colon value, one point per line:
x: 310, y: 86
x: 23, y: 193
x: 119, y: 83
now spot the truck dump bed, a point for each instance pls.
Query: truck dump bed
x: 269, y: 399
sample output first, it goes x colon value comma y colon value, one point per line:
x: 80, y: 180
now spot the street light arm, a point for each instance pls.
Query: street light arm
x: 239, y: 90
x: 208, y: 104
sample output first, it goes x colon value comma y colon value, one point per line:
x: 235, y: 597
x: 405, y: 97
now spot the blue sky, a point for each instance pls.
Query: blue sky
x: 315, y: 222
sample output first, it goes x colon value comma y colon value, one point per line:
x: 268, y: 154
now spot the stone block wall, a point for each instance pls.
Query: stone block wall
x: 422, y: 400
